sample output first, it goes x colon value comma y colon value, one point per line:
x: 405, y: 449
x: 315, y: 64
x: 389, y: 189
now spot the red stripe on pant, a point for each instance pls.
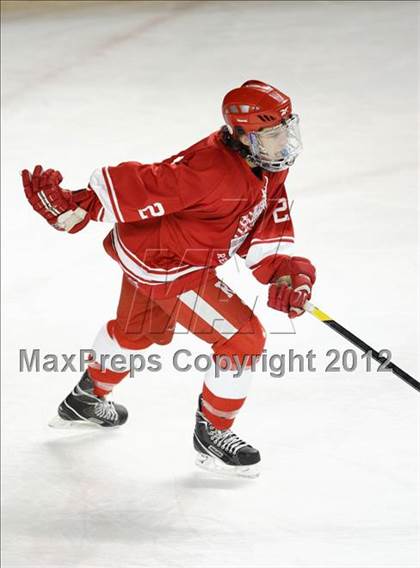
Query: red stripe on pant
x: 220, y: 412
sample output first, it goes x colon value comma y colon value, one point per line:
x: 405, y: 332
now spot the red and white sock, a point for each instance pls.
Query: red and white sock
x: 223, y: 396
x: 106, y: 346
x: 104, y: 380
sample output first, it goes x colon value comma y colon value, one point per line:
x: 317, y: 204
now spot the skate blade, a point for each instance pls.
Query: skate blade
x: 60, y: 424
x: 216, y: 466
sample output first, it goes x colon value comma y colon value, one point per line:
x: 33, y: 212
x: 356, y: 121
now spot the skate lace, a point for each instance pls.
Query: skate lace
x: 226, y: 440
x: 105, y: 409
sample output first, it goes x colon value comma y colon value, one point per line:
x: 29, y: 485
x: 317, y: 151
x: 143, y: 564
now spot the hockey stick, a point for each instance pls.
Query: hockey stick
x: 321, y: 316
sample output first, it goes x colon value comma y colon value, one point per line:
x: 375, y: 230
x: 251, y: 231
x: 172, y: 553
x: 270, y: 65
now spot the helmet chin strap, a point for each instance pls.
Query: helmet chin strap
x: 235, y: 144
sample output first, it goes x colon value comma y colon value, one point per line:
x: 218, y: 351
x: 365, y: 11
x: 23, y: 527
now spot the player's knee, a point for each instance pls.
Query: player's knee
x: 131, y: 341
x: 137, y: 341
x: 248, y: 341
x: 163, y: 338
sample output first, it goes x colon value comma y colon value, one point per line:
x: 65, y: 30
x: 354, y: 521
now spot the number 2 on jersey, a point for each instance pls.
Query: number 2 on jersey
x: 277, y: 213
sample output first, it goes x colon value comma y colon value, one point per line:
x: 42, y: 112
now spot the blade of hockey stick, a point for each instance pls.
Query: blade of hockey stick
x: 322, y: 316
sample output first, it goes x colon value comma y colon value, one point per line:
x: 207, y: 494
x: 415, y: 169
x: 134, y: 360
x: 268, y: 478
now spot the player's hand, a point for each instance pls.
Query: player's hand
x: 55, y: 204
x: 293, y: 286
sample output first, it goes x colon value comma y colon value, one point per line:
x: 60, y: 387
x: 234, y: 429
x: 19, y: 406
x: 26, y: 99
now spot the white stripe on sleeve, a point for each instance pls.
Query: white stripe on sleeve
x: 98, y: 185
x: 258, y: 251
x: 114, y: 195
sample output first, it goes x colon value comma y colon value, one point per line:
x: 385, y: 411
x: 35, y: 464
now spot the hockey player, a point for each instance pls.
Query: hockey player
x: 174, y: 223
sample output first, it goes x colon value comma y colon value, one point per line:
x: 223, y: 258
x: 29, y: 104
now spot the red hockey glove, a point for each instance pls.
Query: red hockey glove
x: 293, y: 286
x: 55, y: 204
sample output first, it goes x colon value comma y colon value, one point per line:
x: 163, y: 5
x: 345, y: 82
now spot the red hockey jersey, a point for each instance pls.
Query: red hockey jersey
x: 190, y: 213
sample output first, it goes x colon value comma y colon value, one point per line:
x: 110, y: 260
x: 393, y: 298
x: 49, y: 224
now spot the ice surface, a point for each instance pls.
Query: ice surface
x: 98, y: 83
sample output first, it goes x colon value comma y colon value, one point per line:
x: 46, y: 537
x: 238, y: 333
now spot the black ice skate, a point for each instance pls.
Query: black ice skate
x: 222, y: 451
x: 82, y: 407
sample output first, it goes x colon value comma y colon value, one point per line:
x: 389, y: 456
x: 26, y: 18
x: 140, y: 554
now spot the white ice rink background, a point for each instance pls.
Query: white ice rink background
x: 100, y: 83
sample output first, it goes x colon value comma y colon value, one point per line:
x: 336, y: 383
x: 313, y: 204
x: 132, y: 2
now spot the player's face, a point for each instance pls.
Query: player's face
x: 271, y: 141
x: 275, y: 148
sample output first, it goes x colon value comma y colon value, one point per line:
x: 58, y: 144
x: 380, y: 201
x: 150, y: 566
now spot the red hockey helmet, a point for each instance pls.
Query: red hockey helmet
x: 265, y: 115
x: 255, y: 105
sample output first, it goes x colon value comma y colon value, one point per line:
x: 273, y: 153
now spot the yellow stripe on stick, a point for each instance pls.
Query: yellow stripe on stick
x: 319, y: 314
x: 316, y: 312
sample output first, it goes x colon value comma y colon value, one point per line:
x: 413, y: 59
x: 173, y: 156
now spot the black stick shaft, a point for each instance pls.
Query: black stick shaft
x: 325, y: 318
x: 375, y: 355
